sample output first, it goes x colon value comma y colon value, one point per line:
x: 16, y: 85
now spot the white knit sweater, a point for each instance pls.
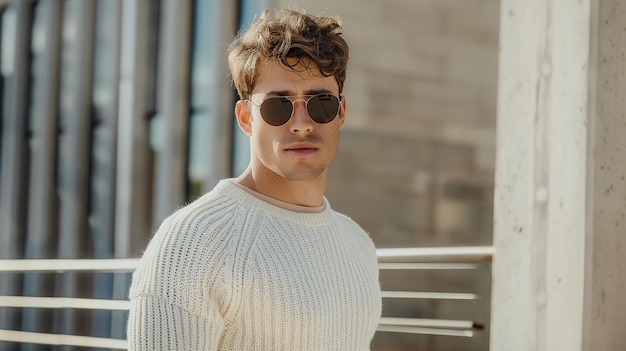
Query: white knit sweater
x: 233, y: 272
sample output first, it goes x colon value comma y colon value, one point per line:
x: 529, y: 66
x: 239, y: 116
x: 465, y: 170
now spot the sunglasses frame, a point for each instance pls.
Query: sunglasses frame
x: 294, y: 99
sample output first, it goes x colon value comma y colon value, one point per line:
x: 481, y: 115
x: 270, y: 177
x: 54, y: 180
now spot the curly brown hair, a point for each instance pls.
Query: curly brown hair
x: 290, y: 34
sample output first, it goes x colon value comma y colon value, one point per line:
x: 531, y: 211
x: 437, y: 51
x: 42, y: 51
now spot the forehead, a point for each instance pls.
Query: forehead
x: 301, y: 77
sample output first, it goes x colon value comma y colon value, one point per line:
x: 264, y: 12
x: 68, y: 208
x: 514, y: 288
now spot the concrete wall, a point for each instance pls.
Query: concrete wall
x: 560, y: 200
x: 416, y: 162
x: 605, y: 283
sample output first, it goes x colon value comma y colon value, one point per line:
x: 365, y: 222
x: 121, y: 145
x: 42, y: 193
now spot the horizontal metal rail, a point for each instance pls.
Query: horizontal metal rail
x: 447, y: 254
x: 124, y: 305
x: 431, y: 323
x: 64, y: 302
x: 398, y: 325
x: 61, y: 265
x: 62, y: 339
x: 424, y: 331
x: 130, y: 264
x: 429, y: 326
x: 386, y: 257
x: 110, y: 343
x: 429, y: 295
x: 426, y: 266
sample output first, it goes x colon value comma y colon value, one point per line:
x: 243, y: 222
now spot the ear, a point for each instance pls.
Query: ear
x: 342, y: 112
x: 244, y: 119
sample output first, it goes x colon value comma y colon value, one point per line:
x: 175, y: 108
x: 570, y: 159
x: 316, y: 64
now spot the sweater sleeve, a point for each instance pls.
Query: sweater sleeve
x: 155, y: 324
x: 178, y: 294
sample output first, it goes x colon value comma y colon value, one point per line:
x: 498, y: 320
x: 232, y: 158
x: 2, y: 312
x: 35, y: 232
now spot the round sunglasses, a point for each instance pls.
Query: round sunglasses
x: 276, y: 111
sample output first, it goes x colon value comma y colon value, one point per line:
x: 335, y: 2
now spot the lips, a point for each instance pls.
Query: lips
x: 301, y: 149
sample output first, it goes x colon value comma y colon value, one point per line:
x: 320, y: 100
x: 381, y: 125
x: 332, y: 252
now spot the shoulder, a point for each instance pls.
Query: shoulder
x: 188, y: 251
x: 353, y: 230
x: 201, y: 222
x: 348, y: 223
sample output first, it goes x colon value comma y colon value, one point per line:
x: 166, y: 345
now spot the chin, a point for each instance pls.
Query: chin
x: 302, y: 174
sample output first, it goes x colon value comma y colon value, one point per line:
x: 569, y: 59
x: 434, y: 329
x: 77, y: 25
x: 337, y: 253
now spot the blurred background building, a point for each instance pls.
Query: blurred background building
x: 117, y: 112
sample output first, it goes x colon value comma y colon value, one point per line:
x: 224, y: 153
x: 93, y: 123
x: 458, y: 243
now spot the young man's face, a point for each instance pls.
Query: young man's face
x: 300, y: 149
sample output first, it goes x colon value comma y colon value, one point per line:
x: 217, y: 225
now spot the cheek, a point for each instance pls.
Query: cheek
x: 264, y: 139
x: 333, y: 142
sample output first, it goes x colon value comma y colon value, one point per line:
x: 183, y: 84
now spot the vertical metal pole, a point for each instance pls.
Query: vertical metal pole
x: 134, y: 159
x: 13, y: 185
x: 241, y: 142
x: 43, y: 202
x: 212, y: 97
x: 105, y: 97
x: 74, y: 172
x: 173, y: 107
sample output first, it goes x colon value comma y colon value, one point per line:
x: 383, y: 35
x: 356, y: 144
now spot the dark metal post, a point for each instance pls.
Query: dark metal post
x: 15, y: 155
x: 43, y: 200
x: 74, y: 157
x: 134, y: 158
x: 105, y: 98
x: 173, y: 107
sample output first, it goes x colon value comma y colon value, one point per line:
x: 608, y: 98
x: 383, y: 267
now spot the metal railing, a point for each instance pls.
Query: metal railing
x: 433, y: 258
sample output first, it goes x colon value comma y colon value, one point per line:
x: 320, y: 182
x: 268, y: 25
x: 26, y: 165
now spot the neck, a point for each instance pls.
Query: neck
x: 298, y: 192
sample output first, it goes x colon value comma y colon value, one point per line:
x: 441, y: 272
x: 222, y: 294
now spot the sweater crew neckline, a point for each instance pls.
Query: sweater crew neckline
x: 316, y: 216
x: 279, y: 203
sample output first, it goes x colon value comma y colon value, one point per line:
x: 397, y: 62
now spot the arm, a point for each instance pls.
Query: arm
x: 155, y: 324
x: 175, y: 293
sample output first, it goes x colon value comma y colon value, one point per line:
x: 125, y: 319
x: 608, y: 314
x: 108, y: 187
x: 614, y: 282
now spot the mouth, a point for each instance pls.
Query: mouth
x: 301, y: 149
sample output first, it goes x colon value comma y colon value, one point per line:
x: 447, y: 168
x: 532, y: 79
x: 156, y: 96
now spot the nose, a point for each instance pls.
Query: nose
x: 301, y: 122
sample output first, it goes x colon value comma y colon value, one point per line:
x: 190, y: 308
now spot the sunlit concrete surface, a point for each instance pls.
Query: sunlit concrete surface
x: 560, y: 194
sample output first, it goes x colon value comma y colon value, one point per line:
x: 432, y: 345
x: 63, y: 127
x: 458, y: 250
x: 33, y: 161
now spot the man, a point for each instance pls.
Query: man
x: 262, y: 262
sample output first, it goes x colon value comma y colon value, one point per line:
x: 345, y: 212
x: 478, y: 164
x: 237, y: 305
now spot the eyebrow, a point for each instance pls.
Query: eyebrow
x: 292, y: 93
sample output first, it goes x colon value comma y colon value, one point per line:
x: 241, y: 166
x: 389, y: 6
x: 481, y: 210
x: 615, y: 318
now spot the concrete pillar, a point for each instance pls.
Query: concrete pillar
x: 560, y: 203
x: 605, y: 314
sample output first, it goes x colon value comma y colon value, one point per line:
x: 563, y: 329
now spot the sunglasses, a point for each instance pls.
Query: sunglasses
x: 276, y: 111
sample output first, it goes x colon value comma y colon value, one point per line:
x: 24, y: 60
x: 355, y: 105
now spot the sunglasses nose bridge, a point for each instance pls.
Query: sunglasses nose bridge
x: 295, y: 109
x: 305, y: 100
x: 300, y: 118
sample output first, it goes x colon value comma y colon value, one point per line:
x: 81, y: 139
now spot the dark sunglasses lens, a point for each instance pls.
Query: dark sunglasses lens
x: 276, y: 111
x: 323, y: 108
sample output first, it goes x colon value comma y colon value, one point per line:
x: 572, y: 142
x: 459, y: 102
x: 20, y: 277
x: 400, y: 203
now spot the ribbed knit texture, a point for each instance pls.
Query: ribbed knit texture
x: 232, y: 272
